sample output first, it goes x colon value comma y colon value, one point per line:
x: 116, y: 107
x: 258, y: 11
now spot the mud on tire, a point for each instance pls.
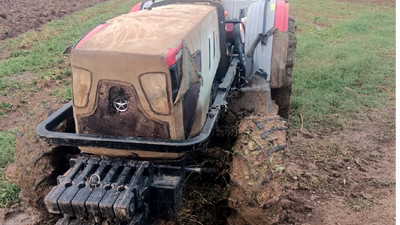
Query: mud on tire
x: 36, y: 164
x: 282, y: 95
x: 256, y: 171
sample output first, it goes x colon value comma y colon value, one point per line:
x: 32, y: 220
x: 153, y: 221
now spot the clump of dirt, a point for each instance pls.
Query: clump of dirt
x: 204, y: 200
x: 19, y: 16
x: 36, y: 164
x: 18, y: 214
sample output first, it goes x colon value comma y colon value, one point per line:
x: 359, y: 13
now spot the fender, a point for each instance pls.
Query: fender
x: 136, y: 8
x: 282, y: 16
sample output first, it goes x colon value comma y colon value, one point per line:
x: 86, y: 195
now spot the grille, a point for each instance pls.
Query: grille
x: 107, y: 120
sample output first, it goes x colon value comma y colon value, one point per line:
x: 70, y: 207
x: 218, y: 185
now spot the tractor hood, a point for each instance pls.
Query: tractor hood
x: 158, y: 65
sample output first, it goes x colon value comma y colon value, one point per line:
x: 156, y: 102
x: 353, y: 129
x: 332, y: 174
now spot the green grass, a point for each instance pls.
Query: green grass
x: 342, y: 63
x: 40, y: 51
x: 63, y: 93
x: 8, y: 191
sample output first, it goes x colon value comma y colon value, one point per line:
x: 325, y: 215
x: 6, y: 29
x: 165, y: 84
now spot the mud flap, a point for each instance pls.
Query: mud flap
x: 279, y: 58
x: 256, y: 171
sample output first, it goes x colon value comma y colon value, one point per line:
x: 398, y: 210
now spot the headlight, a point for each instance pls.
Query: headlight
x: 154, y: 86
x: 81, y: 84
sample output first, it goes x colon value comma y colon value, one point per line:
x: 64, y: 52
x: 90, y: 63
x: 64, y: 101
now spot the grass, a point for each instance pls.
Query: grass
x: 63, y: 93
x: 345, y: 58
x: 8, y: 191
x: 4, y: 107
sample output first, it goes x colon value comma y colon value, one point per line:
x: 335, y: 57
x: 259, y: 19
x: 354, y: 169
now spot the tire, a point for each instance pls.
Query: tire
x: 256, y: 171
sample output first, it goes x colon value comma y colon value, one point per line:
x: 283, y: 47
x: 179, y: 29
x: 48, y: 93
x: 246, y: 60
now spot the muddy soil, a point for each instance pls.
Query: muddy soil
x: 18, y: 214
x: 19, y: 16
x: 345, y: 177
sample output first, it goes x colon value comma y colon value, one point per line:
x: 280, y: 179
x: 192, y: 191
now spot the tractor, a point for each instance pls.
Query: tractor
x: 148, y: 88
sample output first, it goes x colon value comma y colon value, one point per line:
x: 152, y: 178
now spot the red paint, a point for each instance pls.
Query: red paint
x: 170, y: 59
x: 90, y: 34
x: 286, y: 27
x: 136, y: 7
x: 229, y: 31
x: 282, y: 16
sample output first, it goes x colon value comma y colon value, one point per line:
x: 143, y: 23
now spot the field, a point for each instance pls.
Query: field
x: 341, y: 163
x: 18, y: 17
x: 340, y: 166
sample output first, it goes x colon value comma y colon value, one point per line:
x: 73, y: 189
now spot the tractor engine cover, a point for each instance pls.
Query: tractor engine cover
x: 146, y: 74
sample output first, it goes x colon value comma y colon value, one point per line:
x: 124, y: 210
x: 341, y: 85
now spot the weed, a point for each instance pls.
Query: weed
x: 6, y: 105
x: 8, y: 191
x: 7, y: 86
x: 386, y: 183
x: 7, y: 143
x: 279, y: 168
x: 375, y: 157
x: 313, y: 181
x: 361, y: 201
x: 64, y: 92
x: 7, y: 32
x: 4, y: 108
x: 67, y: 72
x: 17, y: 54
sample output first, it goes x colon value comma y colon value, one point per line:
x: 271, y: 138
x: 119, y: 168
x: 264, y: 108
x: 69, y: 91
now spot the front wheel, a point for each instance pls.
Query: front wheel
x: 256, y: 171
